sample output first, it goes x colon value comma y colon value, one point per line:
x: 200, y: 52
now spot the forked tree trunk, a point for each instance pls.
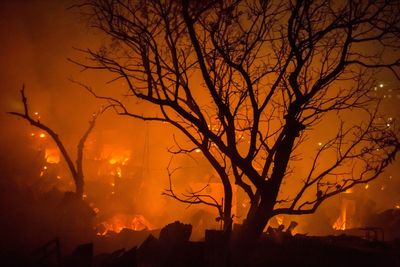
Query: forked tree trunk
x: 79, y: 186
x: 259, y: 215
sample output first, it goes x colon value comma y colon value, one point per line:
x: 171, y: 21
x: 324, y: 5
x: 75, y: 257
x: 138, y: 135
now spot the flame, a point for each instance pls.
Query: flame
x: 119, y: 222
x: 279, y: 219
x: 340, y: 223
x: 349, y: 191
x: 52, y: 155
x: 115, y: 155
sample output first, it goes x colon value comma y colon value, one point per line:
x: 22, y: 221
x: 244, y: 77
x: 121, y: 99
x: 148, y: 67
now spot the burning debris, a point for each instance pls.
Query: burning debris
x: 123, y: 221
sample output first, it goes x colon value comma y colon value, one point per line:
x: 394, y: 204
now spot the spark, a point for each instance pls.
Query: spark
x: 366, y: 186
x: 349, y: 191
x: 42, y: 135
x: 198, y: 150
x: 381, y: 85
x: 319, y: 144
x: 119, y: 172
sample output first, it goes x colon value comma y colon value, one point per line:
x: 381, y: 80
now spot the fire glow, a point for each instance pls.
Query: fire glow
x: 340, y: 223
x: 52, y: 155
x: 119, y: 222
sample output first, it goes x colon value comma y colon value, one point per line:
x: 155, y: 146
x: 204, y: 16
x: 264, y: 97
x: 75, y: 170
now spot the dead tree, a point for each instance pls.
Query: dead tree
x: 248, y: 82
x: 75, y: 169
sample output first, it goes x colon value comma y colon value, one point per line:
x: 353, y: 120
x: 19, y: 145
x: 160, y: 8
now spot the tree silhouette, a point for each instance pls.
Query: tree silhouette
x: 75, y: 169
x: 249, y: 82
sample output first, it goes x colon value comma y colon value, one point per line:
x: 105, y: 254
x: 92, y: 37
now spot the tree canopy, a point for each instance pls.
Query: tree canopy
x: 249, y: 82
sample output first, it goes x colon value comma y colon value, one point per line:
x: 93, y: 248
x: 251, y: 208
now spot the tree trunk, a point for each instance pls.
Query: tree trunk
x: 258, y: 216
x: 79, y: 186
x: 254, y: 224
x: 227, y: 219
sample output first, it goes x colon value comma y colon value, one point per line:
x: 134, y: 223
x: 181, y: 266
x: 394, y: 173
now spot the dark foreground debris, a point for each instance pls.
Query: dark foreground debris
x: 173, y: 248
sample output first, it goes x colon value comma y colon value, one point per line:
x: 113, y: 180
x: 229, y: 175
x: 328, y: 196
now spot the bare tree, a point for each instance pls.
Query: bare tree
x: 75, y: 169
x: 248, y: 82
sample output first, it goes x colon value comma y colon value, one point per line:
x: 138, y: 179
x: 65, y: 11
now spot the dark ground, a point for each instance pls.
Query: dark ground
x: 173, y: 248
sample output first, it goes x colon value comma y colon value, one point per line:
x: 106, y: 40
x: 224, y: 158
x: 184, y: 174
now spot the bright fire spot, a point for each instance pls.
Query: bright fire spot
x: 52, y: 155
x: 118, y: 159
x: 45, y: 167
x: 279, y: 219
x: 319, y: 143
x: 120, y: 221
x: 36, y: 113
x: 117, y: 172
x: 125, y: 161
x: 115, y: 155
x: 32, y: 134
x: 42, y: 135
x: 397, y: 206
x: 113, y: 161
x: 381, y: 85
x: 349, y: 191
x: 366, y: 186
x: 340, y: 223
x: 198, y: 150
